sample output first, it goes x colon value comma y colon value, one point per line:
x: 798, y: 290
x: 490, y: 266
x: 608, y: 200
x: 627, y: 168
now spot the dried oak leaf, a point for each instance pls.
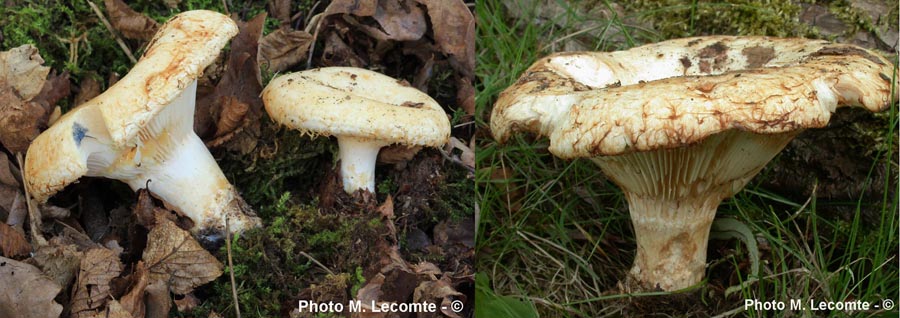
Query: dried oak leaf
x: 91, y: 291
x: 282, y: 49
x: 174, y: 257
x: 241, y: 82
x: 132, y: 24
x: 13, y: 242
x: 26, y: 292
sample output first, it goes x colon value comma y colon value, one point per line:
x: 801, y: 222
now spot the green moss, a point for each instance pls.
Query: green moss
x: 674, y: 19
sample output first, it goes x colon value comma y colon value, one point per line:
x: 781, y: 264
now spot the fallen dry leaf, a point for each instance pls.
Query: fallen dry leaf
x: 442, y: 290
x: 173, y: 256
x: 12, y: 242
x: 242, y: 82
x: 338, y: 53
x: 232, y: 118
x: 130, y: 23
x: 113, y: 310
x: 158, y: 301
x: 188, y: 303
x: 133, y: 300
x: 21, y: 69
x: 89, y: 89
x: 282, y: 49
x: 26, y: 292
x: 396, y: 21
x: 397, y: 154
x: 454, y: 33
x: 21, y: 79
x: 91, y: 291
x: 281, y: 10
x: 58, y: 261
x: 8, y: 172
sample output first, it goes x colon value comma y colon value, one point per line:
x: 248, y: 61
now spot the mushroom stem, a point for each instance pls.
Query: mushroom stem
x: 672, y: 197
x: 671, y: 237
x: 358, y: 156
x: 190, y: 180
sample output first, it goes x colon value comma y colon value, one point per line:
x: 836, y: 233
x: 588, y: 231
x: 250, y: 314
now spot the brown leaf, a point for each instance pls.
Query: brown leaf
x: 21, y: 70
x: 133, y: 301
x: 454, y: 31
x: 281, y: 10
x: 25, y: 292
x: 397, y: 154
x: 282, y: 49
x: 132, y: 24
x: 8, y: 172
x: 26, y: 96
x: 233, y: 116
x: 429, y: 291
x: 89, y: 89
x: 173, y: 256
x: 400, y: 21
x: 338, y: 53
x: 354, y: 7
x: 113, y: 310
x: 158, y: 301
x: 242, y: 82
x: 12, y: 242
x: 172, y: 4
x: 188, y: 303
x: 59, y: 261
x: 467, y: 155
x: 91, y: 292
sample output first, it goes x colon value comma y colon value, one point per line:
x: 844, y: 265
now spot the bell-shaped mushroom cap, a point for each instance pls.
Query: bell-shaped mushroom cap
x: 682, y: 91
x: 176, y: 56
x: 354, y: 102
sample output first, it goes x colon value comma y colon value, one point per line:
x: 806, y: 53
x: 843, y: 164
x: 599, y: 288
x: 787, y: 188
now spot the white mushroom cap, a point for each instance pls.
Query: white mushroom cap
x: 365, y: 110
x: 355, y: 102
x: 681, y: 91
x: 682, y: 124
x: 141, y: 128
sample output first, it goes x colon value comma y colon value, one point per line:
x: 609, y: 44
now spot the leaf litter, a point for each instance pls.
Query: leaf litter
x: 129, y: 262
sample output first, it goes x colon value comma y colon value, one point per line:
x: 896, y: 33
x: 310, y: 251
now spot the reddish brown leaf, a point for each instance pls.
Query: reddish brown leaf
x: 132, y: 24
x: 242, y: 82
x: 158, y: 301
x: 26, y: 292
x: 233, y: 116
x: 12, y: 242
x: 26, y: 96
x: 282, y: 49
x: 354, y: 7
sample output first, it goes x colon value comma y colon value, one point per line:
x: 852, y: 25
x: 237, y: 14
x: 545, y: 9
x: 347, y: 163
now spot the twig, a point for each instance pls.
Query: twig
x: 317, y: 262
x: 237, y: 304
x: 314, y: 22
x: 34, y: 218
x: 110, y: 29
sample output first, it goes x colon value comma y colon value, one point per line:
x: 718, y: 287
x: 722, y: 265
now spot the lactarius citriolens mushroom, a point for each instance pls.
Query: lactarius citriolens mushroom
x: 365, y: 110
x: 683, y: 124
x: 141, y: 129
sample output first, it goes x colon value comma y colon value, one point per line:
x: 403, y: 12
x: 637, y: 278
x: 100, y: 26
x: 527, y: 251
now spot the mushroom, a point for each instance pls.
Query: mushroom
x: 140, y: 131
x: 681, y: 125
x: 365, y: 110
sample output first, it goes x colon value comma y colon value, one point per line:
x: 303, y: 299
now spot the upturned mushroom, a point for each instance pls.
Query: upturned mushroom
x: 140, y: 130
x: 365, y: 110
x: 681, y: 125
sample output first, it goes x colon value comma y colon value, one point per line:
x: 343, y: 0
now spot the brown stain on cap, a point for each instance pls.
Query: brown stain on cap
x: 758, y: 56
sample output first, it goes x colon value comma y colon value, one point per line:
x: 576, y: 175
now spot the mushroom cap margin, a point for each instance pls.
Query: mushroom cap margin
x: 798, y: 86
